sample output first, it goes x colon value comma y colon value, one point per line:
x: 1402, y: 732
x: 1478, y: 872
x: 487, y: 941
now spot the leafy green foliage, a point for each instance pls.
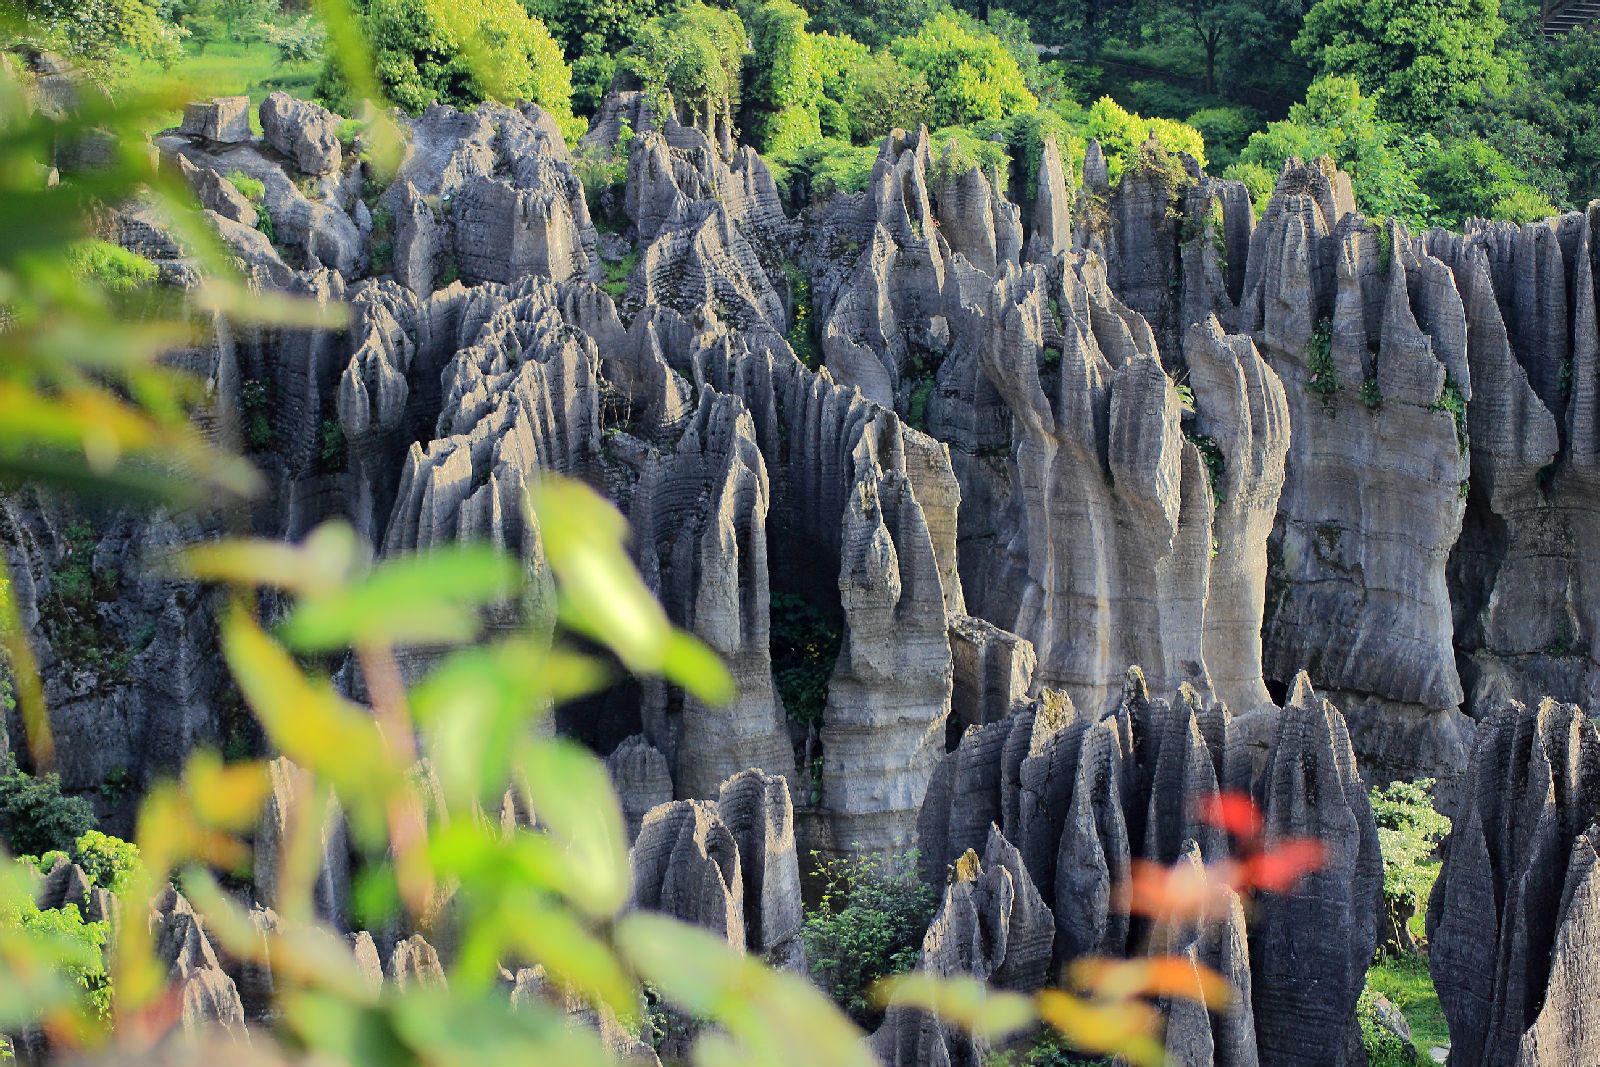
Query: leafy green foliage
x: 1469, y: 179
x: 969, y: 71
x: 257, y: 424
x: 1324, y: 377
x: 867, y: 925
x: 1225, y: 131
x: 109, y: 862
x: 783, y: 88
x: 619, y: 274
x: 100, y: 36
x: 75, y: 946
x: 696, y: 53
x: 1215, y: 461
x: 805, y: 648
x: 1452, y: 400
x: 1383, y: 1046
x: 331, y: 447
x: 252, y: 189
x: 34, y: 815
x: 300, y: 41
x: 872, y: 22
x: 1420, y: 60
x: 1406, y: 981
x: 461, y: 52
x: 1409, y: 832
x: 1338, y: 120
x: 1371, y: 394
x: 867, y: 94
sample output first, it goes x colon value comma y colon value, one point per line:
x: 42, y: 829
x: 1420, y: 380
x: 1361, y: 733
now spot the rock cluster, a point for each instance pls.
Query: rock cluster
x: 1083, y: 797
x: 1512, y: 917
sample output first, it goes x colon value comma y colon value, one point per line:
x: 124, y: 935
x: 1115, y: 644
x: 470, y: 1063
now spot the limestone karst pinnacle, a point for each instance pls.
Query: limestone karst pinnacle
x: 1114, y: 495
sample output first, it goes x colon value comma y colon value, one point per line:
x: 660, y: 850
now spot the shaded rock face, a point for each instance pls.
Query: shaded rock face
x: 1510, y: 921
x: 993, y: 926
x: 729, y: 866
x: 1084, y: 797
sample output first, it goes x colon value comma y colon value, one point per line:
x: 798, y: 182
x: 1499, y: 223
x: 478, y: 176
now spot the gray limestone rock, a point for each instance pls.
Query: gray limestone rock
x: 413, y: 962
x: 288, y: 803
x: 1310, y: 948
x: 640, y: 775
x: 756, y: 809
x: 686, y: 864
x: 224, y: 120
x: 305, y: 132
x: 1511, y: 910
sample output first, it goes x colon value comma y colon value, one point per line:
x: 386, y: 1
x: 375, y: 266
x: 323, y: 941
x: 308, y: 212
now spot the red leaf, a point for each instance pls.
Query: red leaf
x: 1234, y: 813
x: 1277, y: 869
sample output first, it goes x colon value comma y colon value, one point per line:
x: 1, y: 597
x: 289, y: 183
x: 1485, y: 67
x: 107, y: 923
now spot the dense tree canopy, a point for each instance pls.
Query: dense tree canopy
x: 971, y: 74
x: 465, y: 51
x: 1419, y: 57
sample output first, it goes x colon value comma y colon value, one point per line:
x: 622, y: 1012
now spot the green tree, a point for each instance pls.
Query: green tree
x: 462, y: 52
x: 970, y: 74
x: 1337, y: 120
x: 1468, y: 178
x: 1409, y: 832
x: 783, y: 78
x: 872, y: 22
x: 867, y: 925
x: 228, y: 20
x: 1420, y: 59
x: 696, y: 53
x: 866, y: 94
x: 100, y: 35
x: 35, y: 817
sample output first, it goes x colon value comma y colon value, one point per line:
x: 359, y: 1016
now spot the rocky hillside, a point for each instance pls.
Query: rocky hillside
x: 1103, y: 497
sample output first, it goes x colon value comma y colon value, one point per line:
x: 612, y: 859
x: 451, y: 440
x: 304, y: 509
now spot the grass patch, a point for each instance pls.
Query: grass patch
x: 223, y: 68
x: 116, y: 269
x: 252, y: 189
x: 1406, y: 982
x: 618, y: 273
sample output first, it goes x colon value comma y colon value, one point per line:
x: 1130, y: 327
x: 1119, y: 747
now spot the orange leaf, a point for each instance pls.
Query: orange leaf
x: 1158, y: 976
x: 1233, y: 812
x: 1124, y: 1028
x: 1181, y: 892
x: 1277, y: 869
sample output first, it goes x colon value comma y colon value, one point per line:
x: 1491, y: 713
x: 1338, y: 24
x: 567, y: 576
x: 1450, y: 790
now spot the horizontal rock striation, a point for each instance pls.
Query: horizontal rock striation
x: 1511, y: 918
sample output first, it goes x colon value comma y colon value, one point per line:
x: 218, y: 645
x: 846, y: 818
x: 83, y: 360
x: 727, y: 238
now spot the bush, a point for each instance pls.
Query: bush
x: 252, y: 189
x: 1419, y: 60
x: 1226, y: 131
x: 1409, y: 832
x: 805, y: 642
x: 462, y: 52
x: 970, y: 74
x: 1469, y: 179
x: 35, y: 817
x: 1337, y: 120
x: 867, y: 94
x: 784, y: 84
x: 1383, y: 1046
x: 301, y: 41
x: 77, y: 947
x: 109, y: 862
x: 867, y: 926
